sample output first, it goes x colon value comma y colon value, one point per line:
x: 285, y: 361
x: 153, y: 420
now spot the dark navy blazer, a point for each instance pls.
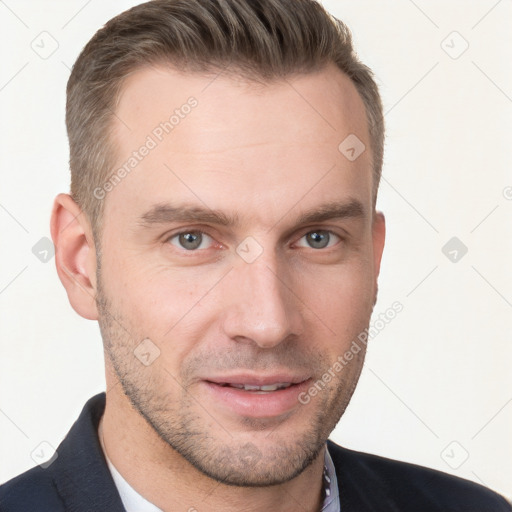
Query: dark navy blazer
x: 79, y: 481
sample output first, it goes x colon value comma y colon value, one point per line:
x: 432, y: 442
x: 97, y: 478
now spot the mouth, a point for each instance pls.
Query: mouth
x: 254, y: 388
x: 255, y: 396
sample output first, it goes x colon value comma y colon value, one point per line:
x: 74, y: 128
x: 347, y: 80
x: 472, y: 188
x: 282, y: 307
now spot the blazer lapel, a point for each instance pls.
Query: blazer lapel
x: 80, y: 472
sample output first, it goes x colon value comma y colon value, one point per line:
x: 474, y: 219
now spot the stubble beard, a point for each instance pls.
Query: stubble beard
x: 214, y: 451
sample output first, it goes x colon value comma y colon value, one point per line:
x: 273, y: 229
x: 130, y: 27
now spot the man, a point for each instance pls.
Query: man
x: 221, y: 227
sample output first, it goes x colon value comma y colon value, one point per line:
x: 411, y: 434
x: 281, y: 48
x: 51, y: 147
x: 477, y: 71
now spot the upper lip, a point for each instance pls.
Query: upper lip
x: 257, y: 380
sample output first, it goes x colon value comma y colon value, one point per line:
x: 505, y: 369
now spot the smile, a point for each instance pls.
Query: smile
x: 255, y: 388
x: 255, y: 396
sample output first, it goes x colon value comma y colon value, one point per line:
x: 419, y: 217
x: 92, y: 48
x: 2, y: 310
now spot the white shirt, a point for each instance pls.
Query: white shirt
x: 132, y: 500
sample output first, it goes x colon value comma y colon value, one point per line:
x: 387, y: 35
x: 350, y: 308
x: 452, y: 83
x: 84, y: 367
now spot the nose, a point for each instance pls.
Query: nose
x: 262, y: 306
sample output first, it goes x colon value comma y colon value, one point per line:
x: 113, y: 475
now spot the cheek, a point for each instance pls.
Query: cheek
x: 168, y: 306
x: 345, y: 291
x: 342, y: 302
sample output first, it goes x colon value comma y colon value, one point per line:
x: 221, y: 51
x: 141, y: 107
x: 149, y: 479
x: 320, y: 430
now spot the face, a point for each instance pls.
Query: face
x: 241, y: 247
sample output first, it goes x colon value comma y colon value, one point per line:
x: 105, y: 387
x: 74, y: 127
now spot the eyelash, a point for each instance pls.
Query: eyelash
x: 190, y: 231
x: 201, y: 232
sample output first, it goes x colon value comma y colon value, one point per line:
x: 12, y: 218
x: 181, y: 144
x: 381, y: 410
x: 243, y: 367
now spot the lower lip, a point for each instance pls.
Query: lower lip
x: 256, y: 404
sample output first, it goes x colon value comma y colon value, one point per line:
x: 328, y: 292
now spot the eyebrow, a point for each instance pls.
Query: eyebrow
x: 165, y: 213
x: 332, y: 211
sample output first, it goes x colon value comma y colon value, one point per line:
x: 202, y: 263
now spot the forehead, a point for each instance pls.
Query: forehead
x: 230, y: 143
x: 326, y: 100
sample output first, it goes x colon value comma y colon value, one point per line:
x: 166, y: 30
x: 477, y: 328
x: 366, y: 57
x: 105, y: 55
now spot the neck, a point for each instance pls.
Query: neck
x: 162, y: 476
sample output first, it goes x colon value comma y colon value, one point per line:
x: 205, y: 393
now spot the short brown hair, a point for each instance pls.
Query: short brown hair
x: 257, y: 39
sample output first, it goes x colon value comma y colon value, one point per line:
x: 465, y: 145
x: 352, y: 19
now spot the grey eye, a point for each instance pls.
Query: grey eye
x: 318, y: 239
x: 190, y: 240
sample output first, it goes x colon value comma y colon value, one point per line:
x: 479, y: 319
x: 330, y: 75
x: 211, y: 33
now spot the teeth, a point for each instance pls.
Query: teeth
x: 269, y: 387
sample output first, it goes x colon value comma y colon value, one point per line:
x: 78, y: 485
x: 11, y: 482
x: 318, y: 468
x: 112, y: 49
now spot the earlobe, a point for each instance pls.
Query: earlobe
x: 75, y: 255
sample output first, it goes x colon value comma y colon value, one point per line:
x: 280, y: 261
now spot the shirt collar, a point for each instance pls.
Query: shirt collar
x: 332, y: 493
x: 132, y: 500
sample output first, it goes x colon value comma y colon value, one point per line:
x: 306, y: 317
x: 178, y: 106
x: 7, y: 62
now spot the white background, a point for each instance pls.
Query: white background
x: 437, y: 386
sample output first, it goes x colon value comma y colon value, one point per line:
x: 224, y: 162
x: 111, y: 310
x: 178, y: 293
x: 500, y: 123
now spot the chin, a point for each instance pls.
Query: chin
x: 246, y: 465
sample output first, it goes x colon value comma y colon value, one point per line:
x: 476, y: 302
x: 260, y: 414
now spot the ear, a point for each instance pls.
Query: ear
x: 75, y: 255
x: 379, y: 236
